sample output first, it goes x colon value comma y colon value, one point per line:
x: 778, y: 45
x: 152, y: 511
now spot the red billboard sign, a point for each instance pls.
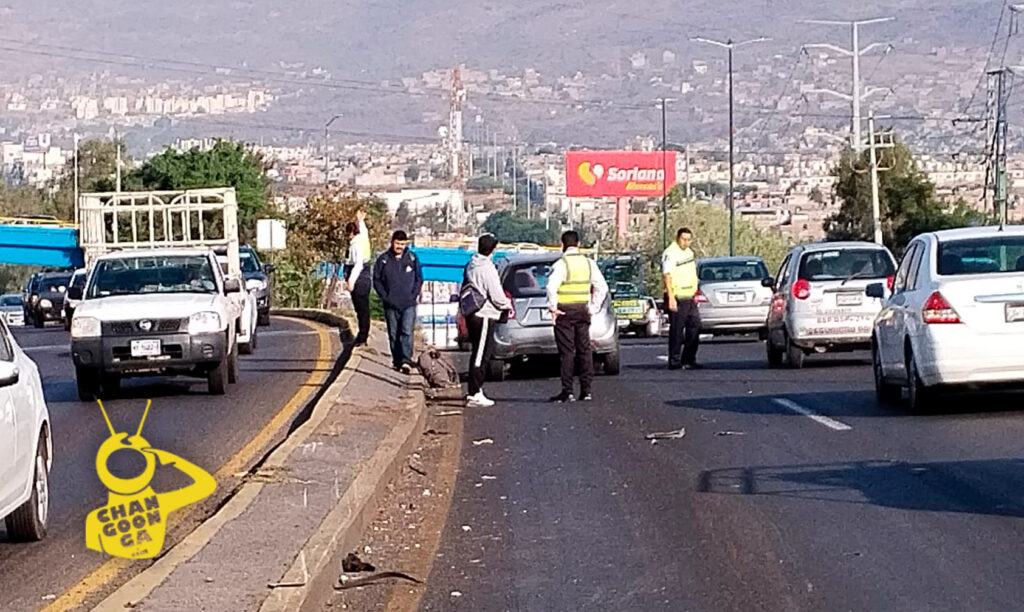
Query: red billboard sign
x: 619, y: 174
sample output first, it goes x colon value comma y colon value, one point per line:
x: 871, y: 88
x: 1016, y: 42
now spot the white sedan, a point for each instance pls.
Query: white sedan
x: 955, y: 316
x: 25, y: 444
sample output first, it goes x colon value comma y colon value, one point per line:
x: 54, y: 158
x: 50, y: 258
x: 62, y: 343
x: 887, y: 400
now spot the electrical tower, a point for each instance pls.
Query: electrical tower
x: 454, y: 145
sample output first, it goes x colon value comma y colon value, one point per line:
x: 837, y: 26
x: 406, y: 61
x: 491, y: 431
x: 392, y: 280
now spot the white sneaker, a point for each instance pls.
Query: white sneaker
x: 479, y: 401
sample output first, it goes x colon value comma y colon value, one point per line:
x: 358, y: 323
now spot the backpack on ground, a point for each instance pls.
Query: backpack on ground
x: 437, y: 369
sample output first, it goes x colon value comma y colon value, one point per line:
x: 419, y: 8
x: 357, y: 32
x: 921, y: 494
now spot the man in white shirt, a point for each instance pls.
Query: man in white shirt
x: 576, y: 291
x: 358, y: 280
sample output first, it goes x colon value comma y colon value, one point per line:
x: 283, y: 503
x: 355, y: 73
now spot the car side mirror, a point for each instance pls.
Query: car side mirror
x: 9, y: 374
x: 875, y: 290
x: 232, y: 285
x: 75, y: 293
x: 268, y: 268
x: 768, y: 282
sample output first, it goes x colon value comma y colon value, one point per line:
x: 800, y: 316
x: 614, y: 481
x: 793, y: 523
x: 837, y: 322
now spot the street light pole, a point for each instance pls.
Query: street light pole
x: 77, y: 139
x: 327, y: 157
x: 664, y: 180
x: 730, y: 45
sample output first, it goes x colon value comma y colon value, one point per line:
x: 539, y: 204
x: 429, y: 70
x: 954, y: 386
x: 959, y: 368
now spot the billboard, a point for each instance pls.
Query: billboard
x: 619, y: 174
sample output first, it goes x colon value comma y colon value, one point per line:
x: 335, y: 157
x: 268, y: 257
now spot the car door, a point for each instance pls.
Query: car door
x: 13, y: 446
x: 778, y: 307
x: 893, y: 319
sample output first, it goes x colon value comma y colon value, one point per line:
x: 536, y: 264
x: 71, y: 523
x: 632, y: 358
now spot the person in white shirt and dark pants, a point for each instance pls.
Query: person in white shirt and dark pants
x: 483, y: 302
x: 357, y: 274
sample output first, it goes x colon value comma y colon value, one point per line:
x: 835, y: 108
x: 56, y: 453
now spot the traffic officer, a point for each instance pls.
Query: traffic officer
x: 576, y: 290
x: 679, y: 273
x: 357, y: 273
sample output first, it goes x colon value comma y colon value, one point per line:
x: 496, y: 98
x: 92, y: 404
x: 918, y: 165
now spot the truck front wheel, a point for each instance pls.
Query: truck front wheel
x: 88, y: 382
x: 217, y: 377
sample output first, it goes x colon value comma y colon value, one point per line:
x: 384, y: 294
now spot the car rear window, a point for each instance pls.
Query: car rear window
x: 720, y: 272
x: 54, y: 284
x: 990, y: 255
x: 843, y: 264
x: 527, y: 280
x: 11, y: 300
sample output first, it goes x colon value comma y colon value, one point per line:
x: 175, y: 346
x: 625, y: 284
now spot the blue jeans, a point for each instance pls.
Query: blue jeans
x: 400, y: 325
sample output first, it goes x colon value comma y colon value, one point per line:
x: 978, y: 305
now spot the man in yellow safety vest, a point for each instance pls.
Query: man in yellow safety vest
x: 576, y: 290
x: 679, y: 272
x: 357, y: 273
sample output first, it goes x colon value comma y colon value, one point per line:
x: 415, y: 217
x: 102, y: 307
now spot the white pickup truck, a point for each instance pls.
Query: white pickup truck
x: 157, y: 299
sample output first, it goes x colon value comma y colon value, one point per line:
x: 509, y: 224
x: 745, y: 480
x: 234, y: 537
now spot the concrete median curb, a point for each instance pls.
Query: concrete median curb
x: 307, y: 584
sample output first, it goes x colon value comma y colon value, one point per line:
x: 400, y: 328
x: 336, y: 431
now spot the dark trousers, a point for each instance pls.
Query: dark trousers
x: 482, y: 336
x: 684, y: 334
x: 401, y: 322
x: 361, y: 302
x: 572, y: 335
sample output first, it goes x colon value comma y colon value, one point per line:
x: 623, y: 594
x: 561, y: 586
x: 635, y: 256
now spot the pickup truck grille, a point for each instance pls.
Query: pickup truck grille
x: 131, y: 328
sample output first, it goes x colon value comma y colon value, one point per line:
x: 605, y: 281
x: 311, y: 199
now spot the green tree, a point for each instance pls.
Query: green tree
x: 507, y: 226
x: 97, y: 172
x: 907, y: 201
x: 24, y: 200
x: 227, y: 164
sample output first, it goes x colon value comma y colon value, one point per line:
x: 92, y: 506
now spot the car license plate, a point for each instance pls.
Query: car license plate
x: 732, y: 298
x: 545, y: 315
x: 1015, y: 313
x: 145, y: 348
x: 848, y: 300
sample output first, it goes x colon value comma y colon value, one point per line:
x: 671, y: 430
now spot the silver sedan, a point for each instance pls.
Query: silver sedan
x: 731, y: 296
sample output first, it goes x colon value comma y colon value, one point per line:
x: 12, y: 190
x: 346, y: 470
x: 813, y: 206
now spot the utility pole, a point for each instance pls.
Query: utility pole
x: 515, y: 181
x: 886, y: 143
x: 77, y: 140
x: 998, y: 142
x: 327, y: 157
x: 664, y: 180
x: 730, y: 45
x: 688, y: 192
x: 117, y: 148
x: 855, y: 54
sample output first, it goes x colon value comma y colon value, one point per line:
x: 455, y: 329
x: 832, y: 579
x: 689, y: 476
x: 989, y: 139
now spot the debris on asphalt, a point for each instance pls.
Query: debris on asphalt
x: 731, y: 433
x: 456, y: 594
x: 413, y: 465
x: 50, y: 597
x: 279, y: 585
x: 483, y: 441
x: 467, y: 528
x: 666, y: 435
x: 345, y: 583
x: 434, y: 432
x: 353, y: 564
x: 488, y: 477
x: 448, y: 413
x: 426, y: 492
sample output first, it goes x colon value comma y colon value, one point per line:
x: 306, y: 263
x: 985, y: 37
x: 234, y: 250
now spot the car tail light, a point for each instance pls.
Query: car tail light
x: 890, y: 281
x: 778, y: 303
x: 802, y: 289
x: 700, y: 298
x: 938, y: 310
x: 512, y: 310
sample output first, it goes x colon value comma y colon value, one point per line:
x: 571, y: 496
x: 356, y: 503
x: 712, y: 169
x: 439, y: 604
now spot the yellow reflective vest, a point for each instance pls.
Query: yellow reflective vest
x: 575, y: 289
x: 681, y: 266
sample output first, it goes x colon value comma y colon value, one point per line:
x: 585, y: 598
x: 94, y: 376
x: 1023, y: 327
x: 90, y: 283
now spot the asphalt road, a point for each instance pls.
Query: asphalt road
x: 791, y: 490
x: 204, y: 429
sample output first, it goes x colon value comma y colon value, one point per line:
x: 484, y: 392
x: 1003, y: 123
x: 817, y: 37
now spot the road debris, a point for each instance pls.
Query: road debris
x: 448, y: 413
x: 467, y: 528
x: 731, y: 433
x: 482, y: 442
x: 666, y: 435
x: 456, y: 594
x: 433, y: 433
x: 416, y: 468
x: 50, y: 597
x: 345, y: 583
x: 280, y: 585
x: 488, y: 477
x: 353, y: 564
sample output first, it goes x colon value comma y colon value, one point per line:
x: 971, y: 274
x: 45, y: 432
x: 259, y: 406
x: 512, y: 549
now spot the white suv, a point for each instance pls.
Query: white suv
x: 26, y: 451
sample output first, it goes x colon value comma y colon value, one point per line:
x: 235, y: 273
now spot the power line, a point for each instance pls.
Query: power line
x: 988, y: 58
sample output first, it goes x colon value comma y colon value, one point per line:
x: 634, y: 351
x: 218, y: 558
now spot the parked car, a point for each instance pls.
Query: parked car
x: 731, y: 297
x: 26, y: 451
x: 819, y: 303
x: 955, y: 316
x: 530, y: 331
x: 46, y: 298
x: 77, y: 282
x: 257, y: 281
x: 12, y: 309
x: 655, y: 323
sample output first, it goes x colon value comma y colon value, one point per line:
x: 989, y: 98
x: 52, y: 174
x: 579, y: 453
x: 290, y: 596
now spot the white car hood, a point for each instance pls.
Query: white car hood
x: 154, y: 306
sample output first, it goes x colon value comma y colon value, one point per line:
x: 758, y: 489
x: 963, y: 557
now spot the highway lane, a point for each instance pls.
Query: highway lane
x: 791, y: 490
x: 204, y: 429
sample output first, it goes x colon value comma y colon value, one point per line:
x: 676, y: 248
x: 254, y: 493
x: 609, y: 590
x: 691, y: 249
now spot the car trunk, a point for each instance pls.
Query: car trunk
x: 990, y: 304
x: 532, y: 311
x: 736, y: 294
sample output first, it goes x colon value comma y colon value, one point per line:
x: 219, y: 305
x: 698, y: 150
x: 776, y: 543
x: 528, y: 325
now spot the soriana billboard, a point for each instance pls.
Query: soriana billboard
x: 619, y: 174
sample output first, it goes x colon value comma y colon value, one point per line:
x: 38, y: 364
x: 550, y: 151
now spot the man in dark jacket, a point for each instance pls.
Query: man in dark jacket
x: 397, y: 278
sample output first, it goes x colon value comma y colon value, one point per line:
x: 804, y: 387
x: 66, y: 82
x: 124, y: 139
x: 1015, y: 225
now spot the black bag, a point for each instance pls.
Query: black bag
x: 470, y: 298
x: 437, y: 369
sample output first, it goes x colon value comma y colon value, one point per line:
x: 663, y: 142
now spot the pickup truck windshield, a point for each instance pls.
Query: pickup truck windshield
x: 142, y: 275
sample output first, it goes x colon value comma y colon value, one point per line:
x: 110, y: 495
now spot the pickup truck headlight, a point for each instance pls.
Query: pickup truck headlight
x: 85, y: 327
x: 45, y: 303
x: 204, y: 323
x: 255, y: 284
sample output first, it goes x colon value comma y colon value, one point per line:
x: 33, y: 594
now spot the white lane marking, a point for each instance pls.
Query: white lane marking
x: 662, y: 357
x: 823, y: 420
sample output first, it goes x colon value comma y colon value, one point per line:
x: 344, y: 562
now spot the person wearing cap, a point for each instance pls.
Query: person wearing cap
x: 483, y: 302
x: 357, y: 273
x: 397, y: 278
x: 576, y: 291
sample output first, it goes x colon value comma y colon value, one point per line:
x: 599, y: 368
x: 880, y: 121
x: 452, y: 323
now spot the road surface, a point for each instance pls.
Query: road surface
x: 791, y: 490
x: 207, y: 430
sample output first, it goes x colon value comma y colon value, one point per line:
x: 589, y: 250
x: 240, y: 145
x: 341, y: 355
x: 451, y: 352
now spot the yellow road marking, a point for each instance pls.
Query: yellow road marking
x: 111, y: 568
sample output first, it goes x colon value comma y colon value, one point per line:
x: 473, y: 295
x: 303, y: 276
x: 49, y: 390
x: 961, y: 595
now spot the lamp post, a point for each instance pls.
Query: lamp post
x: 327, y: 157
x: 730, y: 45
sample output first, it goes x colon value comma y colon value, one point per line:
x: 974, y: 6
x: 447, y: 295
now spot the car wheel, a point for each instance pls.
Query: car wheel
x: 795, y: 356
x: 248, y: 348
x: 28, y: 523
x: 109, y: 384
x: 38, y: 321
x: 217, y: 377
x: 67, y: 323
x: 88, y: 382
x: 611, y: 363
x: 496, y: 370
x: 263, y: 319
x: 886, y: 393
x: 919, y: 397
x: 233, y: 365
x: 775, y: 354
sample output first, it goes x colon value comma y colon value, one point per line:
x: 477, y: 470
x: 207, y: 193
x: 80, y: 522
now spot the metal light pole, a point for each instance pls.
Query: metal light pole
x: 664, y: 180
x: 75, y: 204
x: 327, y: 158
x: 730, y: 45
